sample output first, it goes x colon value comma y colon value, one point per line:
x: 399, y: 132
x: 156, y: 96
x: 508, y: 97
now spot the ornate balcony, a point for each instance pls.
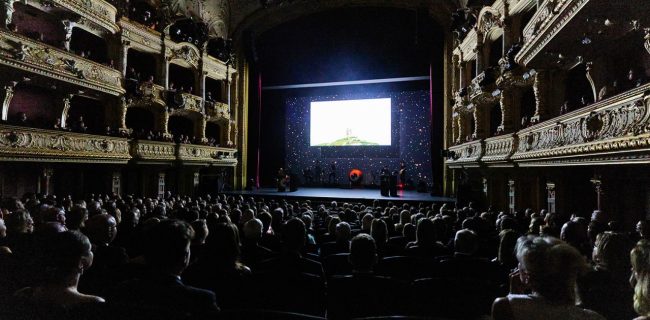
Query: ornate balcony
x: 190, y: 102
x: 207, y: 155
x: 22, y: 53
x: 217, y: 110
x: 149, y: 94
x: 615, y: 128
x: 140, y: 37
x: 153, y: 150
x: 466, y: 154
x: 97, y: 12
x: 482, y: 87
x: 500, y: 149
x: 30, y: 144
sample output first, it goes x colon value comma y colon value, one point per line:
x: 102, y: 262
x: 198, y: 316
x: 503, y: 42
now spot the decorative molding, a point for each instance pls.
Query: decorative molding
x: 48, y: 145
x: 187, y: 53
x: 140, y: 37
x: 153, y: 150
x: 481, y: 94
x: 467, y: 154
x: 198, y: 153
x: 550, y: 18
x: 500, y: 148
x: 20, y: 52
x: 151, y: 95
x: 190, y: 103
x: 217, y: 111
x: 619, y: 123
x: 97, y: 12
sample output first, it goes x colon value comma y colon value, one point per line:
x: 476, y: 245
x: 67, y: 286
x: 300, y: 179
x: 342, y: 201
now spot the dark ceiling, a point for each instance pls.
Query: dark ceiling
x: 348, y: 44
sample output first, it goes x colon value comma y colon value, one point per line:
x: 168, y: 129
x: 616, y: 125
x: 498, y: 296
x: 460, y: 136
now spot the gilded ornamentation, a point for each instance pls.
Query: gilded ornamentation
x: 217, y: 110
x: 500, y: 148
x: 23, y: 142
x: 24, y: 53
x: 187, y: 53
x: 153, y: 150
x: 98, y: 12
x: 646, y: 39
x: 467, y: 153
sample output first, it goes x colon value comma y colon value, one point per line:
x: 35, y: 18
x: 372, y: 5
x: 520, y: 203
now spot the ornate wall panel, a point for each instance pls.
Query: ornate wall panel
x: 208, y: 155
x: 29, y: 144
x: 613, y: 125
x: 500, y: 148
x: 217, y: 111
x: 20, y: 52
x: 467, y: 154
x: 92, y: 12
x: 140, y: 37
x: 153, y: 150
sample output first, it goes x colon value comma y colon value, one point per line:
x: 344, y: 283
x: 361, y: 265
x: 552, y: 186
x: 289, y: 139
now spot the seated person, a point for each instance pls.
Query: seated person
x: 425, y: 245
x: 549, y: 268
x: 167, y: 254
x: 342, y: 234
x: 363, y: 294
x: 21, y: 120
x: 62, y: 259
x: 252, y: 251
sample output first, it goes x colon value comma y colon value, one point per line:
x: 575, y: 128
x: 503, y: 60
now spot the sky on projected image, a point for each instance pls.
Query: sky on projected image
x: 351, y: 123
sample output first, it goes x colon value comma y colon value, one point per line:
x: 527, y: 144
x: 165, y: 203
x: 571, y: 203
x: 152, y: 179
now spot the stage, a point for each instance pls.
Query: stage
x: 341, y: 194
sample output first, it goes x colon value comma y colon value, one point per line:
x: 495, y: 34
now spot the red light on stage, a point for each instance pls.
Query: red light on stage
x: 355, y: 175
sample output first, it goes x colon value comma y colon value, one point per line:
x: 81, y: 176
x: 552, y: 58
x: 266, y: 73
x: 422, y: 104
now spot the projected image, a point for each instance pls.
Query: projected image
x: 363, y: 122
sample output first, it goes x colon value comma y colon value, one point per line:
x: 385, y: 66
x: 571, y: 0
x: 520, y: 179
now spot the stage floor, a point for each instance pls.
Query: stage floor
x: 343, y: 194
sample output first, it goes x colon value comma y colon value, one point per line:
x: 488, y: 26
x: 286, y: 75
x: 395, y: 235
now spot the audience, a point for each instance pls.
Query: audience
x: 173, y: 257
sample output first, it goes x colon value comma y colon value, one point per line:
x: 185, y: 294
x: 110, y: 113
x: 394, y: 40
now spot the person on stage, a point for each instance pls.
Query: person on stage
x: 282, y: 180
x: 318, y: 172
x: 331, y: 178
x: 402, y: 174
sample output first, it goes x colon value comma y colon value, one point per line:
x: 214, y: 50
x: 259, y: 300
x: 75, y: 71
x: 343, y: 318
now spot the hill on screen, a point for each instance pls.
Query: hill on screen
x: 348, y: 141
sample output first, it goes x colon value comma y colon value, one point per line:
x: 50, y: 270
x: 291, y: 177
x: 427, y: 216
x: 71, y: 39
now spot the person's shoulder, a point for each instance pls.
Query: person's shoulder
x: 590, y: 315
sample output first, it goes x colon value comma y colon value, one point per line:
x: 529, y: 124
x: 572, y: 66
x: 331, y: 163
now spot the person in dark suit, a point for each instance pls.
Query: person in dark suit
x: 167, y: 254
x: 291, y: 261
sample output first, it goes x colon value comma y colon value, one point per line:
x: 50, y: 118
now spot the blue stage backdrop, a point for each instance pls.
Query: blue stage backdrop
x: 410, y: 139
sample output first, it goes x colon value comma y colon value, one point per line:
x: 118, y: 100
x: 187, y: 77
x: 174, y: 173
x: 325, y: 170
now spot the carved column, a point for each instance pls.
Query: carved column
x: 508, y: 119
x: 462, y: 127
x: 540, y: 87
x: 550, y: 197
x: 646, y: 39
x: 462, y: 76
x: 454, y: 74
x: 201, y: 85
x: 454, y: 127
x: 65, y: 109
x: 6, y: 93
x: 116, y: 182
x: 6, y: 12
x: 480, y: 55
x: 480, y: 116
x: 68, y: 26
x: 164, y: 73
x: 123, y: 57
x: 164, y: 121
x: 511, y: 196
x: 202, y: 123
x: 121, y: 117
x: 598, y: 187
x: 46, y: 180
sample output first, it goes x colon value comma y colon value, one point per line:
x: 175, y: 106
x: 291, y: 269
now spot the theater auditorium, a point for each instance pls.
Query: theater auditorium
x: 324, y: 159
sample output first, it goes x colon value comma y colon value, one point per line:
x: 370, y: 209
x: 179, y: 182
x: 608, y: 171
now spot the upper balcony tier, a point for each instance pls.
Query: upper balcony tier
x: 18, y: 52
x: 562, y: 31
x: 96, y: 15
x: 217, y: 110
x: 615, y: 130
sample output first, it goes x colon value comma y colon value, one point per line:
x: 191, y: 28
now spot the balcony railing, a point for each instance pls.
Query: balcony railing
x: 550, y: 18
x: 217, y: 110
x: 31, y: 144
x: 20, y: 52
x: 482, y: 87
x: 97, y: 12
x: 191, y: 152
x: 468, y: 153
x: 615, y: 128
x: 500, y: 148
x: 190, y: 102
x: 153, y: 150
x: 615, y: 124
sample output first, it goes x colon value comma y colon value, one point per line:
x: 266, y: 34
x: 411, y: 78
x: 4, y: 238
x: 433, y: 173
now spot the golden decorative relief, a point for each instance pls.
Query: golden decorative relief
x: 217, y: 111
x: 24, y: 53
x: 188, y: 152
x: 191, y: 103
x: 153, y: 150
x: 21, y: 142
x: 187, y: 53
x: 98, y: 12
